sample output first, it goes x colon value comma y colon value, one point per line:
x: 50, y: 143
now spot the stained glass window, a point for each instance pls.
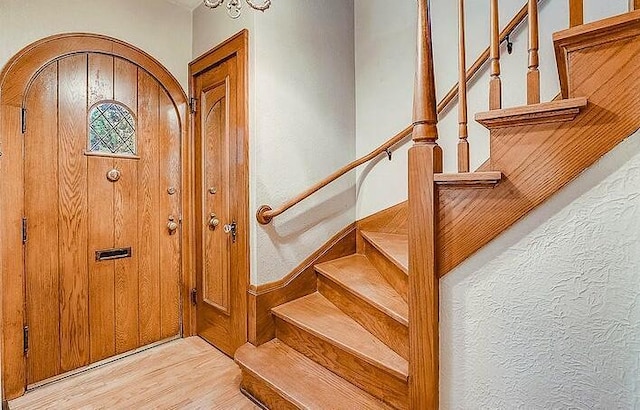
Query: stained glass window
x: 112, y: 129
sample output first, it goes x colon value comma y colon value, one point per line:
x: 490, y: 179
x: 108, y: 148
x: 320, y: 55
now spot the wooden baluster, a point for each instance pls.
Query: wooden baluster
x: 463, y: 129
x: 425, y: 159
x: 533, y: 75
x: 495, y: 85
x: 576, y: 13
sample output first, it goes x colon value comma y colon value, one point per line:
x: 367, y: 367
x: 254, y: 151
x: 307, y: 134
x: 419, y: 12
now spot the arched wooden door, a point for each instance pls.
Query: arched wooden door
x: 102, y: 187
x: 99, y: 175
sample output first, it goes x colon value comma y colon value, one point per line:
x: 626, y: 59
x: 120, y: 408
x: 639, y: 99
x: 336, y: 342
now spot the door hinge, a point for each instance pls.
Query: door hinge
x: 23, y: 120
x: 194, y: 296
x: 193, y: 105
x: 25, y: 335
x: 24, y: 230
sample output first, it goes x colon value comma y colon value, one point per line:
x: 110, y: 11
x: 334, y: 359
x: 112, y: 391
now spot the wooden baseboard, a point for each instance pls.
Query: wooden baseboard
x: 300, y: 282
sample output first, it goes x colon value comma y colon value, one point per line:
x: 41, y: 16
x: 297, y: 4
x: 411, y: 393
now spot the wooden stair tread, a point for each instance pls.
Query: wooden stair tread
x: 548, y: 112
x: 469, y: 179
x: 300, y: 380
x: 393, y: 246
x: 315, y: 314
x: 360, y: 277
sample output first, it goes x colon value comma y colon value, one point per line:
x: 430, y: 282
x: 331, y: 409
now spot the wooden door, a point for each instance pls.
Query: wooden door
x: 221, y: 254
x: 102, y: 184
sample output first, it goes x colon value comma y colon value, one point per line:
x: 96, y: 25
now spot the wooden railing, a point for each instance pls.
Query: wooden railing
x: 425, y: 161
x: 266, y: 213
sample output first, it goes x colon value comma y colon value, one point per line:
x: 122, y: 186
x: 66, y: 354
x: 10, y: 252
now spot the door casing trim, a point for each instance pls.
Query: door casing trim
x: 14, y: 82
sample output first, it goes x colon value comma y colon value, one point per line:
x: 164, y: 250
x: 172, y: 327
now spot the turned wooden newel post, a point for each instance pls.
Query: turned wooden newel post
x: 425, y: 159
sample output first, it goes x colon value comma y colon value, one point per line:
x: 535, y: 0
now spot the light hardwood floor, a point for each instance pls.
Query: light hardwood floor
x: 183, y: 374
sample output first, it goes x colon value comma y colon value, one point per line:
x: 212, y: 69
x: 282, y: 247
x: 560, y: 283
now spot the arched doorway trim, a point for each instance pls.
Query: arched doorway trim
x: 15, y: 79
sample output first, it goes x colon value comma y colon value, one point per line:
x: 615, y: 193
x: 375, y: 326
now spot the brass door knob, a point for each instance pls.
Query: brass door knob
x: 172, y: 225
x: 214, y: 221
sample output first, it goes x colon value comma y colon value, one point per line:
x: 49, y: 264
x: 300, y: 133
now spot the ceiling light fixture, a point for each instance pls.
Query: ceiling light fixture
x: 234, y: 7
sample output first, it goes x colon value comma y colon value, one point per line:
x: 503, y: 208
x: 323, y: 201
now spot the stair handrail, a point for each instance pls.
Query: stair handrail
x: 266, y: 213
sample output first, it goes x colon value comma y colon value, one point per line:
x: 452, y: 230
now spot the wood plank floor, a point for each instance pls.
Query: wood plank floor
x: 183, y: 374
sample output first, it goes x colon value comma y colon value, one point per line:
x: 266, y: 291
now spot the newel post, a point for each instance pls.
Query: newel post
x: 425, y: 159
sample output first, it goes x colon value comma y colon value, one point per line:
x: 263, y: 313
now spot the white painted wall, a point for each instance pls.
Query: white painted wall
x: 302, y: 128
x: 547, y: 316
x: 385, y: 49
x: 160, y: 28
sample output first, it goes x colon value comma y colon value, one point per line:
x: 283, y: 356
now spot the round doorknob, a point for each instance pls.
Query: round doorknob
x: 214, y: 222
x: 172, y: 226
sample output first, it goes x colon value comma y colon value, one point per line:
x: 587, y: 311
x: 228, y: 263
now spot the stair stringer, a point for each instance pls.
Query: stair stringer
x: 538, y: 160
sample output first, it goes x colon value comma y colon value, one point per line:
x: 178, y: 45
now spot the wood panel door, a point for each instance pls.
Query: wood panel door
x: 221, y: 251
x: 102, y: 185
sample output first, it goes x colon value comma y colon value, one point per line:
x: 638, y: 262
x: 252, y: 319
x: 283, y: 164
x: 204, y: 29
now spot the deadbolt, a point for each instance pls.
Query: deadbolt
x: 231, y: 228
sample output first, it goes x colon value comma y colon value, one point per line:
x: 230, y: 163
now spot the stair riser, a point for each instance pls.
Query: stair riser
x: 394, y: 275
x: 393, y: 333
x: 377, y: 382
x: 265, y: 395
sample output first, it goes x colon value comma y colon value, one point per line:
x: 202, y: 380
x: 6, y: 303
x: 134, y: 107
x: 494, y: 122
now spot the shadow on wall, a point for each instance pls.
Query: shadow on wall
x: 284, y: 231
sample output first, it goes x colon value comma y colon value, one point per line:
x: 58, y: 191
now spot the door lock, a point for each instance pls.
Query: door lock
x: 232, y: 228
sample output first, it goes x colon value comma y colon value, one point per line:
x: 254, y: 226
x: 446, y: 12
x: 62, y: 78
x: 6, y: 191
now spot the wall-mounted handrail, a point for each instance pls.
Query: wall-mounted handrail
x: 266, y: 213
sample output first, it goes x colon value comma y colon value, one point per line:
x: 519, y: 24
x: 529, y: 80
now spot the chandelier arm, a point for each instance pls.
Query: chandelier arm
x: 212, y: 4
x: 261, y: 7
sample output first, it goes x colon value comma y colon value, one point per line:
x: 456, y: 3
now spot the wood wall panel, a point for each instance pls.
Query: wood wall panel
x: 216, y: 266
x: 41, y: 202
x: 148, y: 209
x: 100, y: 222
x: 170, y: 206
x: 74, y: 320
x: 126, y: 221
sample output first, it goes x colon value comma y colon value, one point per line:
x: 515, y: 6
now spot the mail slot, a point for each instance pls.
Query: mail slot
x: 111, y: 254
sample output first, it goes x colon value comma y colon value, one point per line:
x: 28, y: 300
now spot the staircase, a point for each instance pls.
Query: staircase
x: 346, y: 344
x: 355, y: 327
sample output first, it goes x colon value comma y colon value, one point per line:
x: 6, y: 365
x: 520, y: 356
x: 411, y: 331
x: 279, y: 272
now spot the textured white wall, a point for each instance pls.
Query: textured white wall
x: 302, y: 100
x: 547, y: 316
x: 385, y: 49
x: 160, y: 28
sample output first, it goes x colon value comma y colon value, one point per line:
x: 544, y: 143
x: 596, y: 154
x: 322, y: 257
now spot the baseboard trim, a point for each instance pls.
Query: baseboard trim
x: 300, y: 282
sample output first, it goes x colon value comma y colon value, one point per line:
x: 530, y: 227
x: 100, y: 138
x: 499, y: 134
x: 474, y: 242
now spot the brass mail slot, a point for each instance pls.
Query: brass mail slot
x: 111, y: 254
